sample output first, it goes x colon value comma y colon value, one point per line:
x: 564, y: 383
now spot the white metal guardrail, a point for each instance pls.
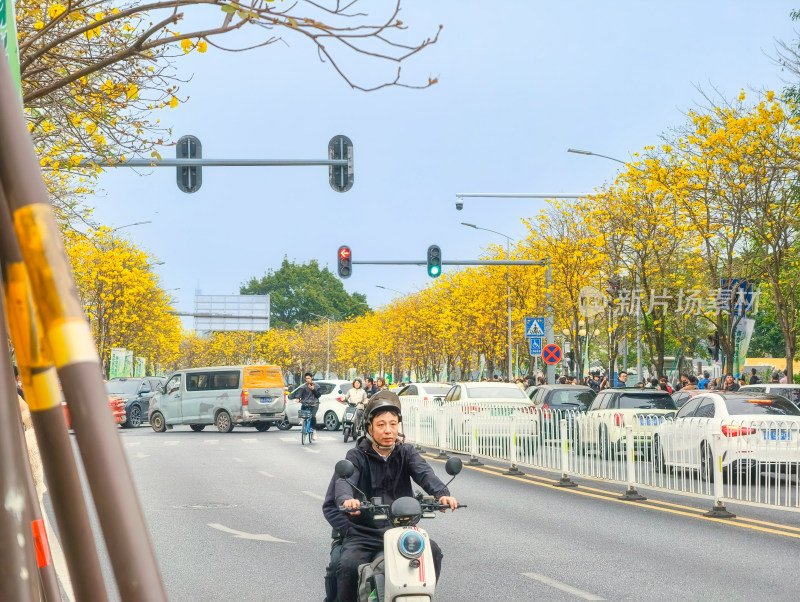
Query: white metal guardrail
x: 755, y: 460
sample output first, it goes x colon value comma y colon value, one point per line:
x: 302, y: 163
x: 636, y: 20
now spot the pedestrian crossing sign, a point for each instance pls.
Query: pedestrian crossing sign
x: 536, y: 346
x: 534, y: 327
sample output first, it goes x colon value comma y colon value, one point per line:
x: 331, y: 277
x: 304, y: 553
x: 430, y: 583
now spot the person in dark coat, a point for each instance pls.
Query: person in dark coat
x: 390, y: 465
x: 309, y: 400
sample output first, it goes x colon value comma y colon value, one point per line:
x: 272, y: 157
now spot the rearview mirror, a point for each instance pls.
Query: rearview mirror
x: 345, y: 469
x: 452, y: 467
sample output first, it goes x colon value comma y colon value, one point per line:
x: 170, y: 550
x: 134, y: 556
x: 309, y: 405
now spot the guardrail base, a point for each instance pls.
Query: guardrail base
x: 632, y: 495
x: 514, y: 471
x: 442, y: 455
x: 719, y: 511
x: 473, y: 461
x: 565, y: 482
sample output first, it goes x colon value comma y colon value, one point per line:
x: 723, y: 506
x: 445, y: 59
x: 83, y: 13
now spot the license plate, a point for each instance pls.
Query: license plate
x: 264, y: 399
x: 649, y: 421
x: 775, y: 435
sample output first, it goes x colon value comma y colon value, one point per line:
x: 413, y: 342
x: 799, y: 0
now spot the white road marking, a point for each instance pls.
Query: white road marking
x: 243, y: 535
x: 316, y: 496
x: 211, y: 441
x: 289, y: 439
x: 172, y: 443
x: 313, y: 451
x: 132, y: 443
x: 266, y: 474
x: 249, y: 440
x: 141, y: 455
x: 563, y: 587
x: 238, y: 460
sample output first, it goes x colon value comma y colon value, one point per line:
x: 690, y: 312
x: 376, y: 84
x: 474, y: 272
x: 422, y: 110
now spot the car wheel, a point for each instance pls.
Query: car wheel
x: 197, y: 427
x: 706, y: 463
x: 346, y: 433
x: 658, y: 456
x: 134, y: 417
x: 604, y: 442
x: 262, y: 426
x: 331, y: 421
x: 223, y: 422
x: 158, y: 423
x: 284, y: 424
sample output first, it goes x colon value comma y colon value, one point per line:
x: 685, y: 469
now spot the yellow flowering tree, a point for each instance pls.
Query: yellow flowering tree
x: 122, y: 297
x: 94, y: 70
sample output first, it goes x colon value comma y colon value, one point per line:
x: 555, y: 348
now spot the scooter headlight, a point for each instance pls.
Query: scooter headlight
x: 411, y: 544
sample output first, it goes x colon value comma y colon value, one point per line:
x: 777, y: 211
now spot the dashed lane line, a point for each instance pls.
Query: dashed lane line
x: 316, y: 496
x: 266, y: 474
x: 238, y: 460
x: 579, y: 593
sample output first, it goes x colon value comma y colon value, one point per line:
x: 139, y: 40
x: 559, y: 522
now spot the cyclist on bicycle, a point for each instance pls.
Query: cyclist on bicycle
x: 309, y: 400
x: 390, y: 465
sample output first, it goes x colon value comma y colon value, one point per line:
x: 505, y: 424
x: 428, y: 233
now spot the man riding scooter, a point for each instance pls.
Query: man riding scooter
x: 384, y: 466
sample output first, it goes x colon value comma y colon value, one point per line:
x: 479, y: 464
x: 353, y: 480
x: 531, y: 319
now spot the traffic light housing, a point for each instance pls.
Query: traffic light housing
x: 713, y: 350
x: 189, y: 178
x: 434, y: 261
x: 344, y: 260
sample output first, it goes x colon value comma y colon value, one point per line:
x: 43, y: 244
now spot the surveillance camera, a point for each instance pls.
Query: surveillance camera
x: 459, y: 205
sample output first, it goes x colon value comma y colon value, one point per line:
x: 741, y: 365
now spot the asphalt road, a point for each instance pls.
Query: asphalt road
x: 238, y: 517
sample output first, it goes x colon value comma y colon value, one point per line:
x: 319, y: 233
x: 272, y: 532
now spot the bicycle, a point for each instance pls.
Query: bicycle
x: 305, y: 426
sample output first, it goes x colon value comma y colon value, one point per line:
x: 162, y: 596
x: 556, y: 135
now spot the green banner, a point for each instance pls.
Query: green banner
x: 117, y: 363
x: 8, y: 34
x: 139, y: 367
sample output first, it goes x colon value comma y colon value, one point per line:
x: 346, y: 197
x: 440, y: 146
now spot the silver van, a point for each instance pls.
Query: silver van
x: 224, y: 396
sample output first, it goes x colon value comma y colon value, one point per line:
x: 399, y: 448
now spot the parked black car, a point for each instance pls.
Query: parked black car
x: 137, y: 393
x: 555, y: 402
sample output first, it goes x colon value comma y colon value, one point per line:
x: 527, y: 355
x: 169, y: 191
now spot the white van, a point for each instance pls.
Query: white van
x: 224, y: 396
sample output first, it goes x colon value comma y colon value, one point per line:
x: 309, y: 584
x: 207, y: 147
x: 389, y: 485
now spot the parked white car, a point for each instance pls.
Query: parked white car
x: 603, y: 425
x: 790, y: 392
x: 757, y: 432
x: 331, y: 405
x: 427, y: 393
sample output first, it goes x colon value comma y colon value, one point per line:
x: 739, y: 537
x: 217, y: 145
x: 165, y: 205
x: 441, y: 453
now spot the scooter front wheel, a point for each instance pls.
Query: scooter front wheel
x: 346, y: 432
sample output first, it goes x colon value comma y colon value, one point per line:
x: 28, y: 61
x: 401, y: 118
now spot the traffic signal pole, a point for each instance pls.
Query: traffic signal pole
x: 190, y: 162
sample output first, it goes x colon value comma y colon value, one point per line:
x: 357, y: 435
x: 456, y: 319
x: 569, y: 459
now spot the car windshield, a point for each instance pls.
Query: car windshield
x: 436, y: 390
x: 122, y: 387
x: 512, y: 392
x: 792, y: 395
x: 646, y: 402
x: 767, y: 405
x: 565, y: 397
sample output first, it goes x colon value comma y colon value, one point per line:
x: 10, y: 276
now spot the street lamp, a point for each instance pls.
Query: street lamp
x: 328, y: 364
x: 386, y: 288
x: 508, y: 278
x: 585, y: 152
x: 638, y: 311
x: 133, y: 224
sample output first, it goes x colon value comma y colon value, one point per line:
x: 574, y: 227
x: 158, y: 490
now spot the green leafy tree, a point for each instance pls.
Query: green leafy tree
x: 298, y: 291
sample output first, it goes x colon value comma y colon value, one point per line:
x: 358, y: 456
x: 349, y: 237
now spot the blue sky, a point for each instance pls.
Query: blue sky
x: 519, y: 83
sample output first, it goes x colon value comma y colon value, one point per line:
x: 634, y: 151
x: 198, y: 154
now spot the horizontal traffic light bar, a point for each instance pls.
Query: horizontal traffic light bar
x: 540, y: 262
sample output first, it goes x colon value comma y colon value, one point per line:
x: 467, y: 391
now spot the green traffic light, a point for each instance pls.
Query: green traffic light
x: 434, y: 270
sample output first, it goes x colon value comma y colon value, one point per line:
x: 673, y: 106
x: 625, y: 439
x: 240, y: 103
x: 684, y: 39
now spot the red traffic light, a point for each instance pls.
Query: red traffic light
x: 345, y: 261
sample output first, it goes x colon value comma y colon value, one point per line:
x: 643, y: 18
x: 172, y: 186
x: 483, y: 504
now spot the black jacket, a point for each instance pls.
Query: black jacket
x: 309, y: 397
x: 389, y: 479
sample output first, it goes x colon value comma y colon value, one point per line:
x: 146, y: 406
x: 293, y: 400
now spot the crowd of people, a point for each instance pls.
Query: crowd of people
x: 597, y: 382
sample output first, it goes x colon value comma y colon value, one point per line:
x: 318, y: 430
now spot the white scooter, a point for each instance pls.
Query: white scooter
x: 408, y: 572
